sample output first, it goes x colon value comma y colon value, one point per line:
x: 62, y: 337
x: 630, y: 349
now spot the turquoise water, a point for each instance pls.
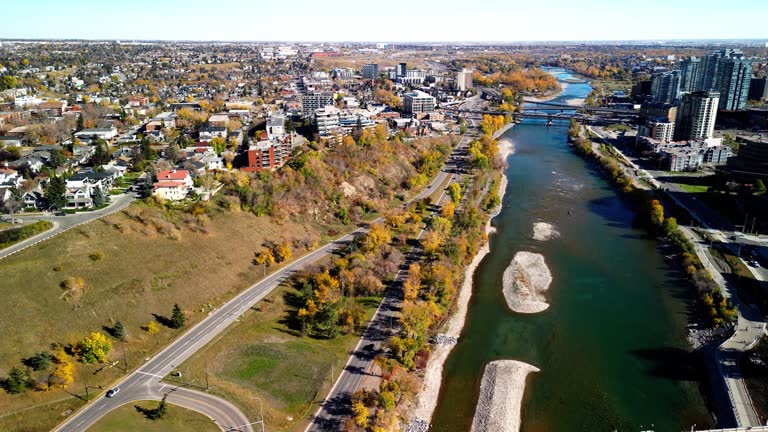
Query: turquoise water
x: 611, y: 347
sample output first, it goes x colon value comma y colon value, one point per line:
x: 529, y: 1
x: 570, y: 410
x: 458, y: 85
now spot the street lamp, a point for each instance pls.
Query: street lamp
x: 261, y: 411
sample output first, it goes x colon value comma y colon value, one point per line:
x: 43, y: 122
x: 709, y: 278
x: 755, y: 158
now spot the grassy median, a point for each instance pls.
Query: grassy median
x: 128, y: 419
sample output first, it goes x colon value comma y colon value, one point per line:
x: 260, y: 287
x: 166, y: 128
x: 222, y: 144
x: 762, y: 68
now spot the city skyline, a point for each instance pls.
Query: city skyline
x: 448, y: 21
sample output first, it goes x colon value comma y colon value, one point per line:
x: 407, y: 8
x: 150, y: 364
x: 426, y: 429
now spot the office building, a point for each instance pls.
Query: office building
x: 313, y: 101
x: 689, y: 74
x: 758, y: 88
x: 418, y: 102
x: 696, y: 115
x: 665, y: 87
x: 464, y: 79
x: 733, y: 80
x: 401, y: 69
x: 370, y: 71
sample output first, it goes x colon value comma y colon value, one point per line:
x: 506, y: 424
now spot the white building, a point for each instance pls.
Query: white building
x: 276, y: 126
x: 327, y: 121
x: 464, y: 79
x: 98, y: 133
x: 412, y: 77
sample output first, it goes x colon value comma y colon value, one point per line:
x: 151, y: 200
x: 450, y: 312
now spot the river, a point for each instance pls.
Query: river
x: 611, y: 347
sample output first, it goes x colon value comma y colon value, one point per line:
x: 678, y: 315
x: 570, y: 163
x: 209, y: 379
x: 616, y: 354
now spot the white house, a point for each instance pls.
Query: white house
x: 98, y: 133
x: 169, y: 190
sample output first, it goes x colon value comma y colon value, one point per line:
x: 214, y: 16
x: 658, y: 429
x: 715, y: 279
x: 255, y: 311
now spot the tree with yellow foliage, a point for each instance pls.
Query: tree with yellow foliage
x: 283, y: 252
x: 93, y: 348
x: 264, y: 257
x: 361, y: 414
x: 378, y: 235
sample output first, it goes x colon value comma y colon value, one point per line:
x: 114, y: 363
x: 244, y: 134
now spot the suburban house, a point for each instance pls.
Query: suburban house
x: 33, y: 199
x: 170, y: 190
x: 172, y: 185
x: 79, y: 197
x: 210, y: 132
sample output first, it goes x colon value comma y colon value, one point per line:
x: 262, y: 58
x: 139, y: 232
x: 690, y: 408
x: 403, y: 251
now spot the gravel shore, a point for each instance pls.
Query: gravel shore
x: 501, y: 395
x: 433, y: 373
x: 524, y: 281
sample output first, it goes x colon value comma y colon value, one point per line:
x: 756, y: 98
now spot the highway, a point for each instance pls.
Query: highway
x: 144, y: 382
x: 338, y: 403
x: 65, y: 222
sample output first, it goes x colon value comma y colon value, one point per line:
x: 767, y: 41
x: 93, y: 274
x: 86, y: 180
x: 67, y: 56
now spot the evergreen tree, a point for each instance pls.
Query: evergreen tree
x: 55, y: 193
x: 17, y: 381
x: 99, y: 199
x: 159, y: 412
x: 177, y: 317
x: 80, y: 123
x: 118, y: 330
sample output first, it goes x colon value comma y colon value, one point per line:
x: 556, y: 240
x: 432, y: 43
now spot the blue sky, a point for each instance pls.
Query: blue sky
x: 382, y: 20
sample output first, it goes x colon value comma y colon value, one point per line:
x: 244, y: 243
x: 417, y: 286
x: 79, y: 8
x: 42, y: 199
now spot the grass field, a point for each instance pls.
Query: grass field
x: 693, y: 188
x: 141, y: 272
x: 128, y: 419
x: 260, y: 356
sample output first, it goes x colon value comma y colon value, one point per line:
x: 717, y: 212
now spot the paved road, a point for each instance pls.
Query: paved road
x: 338, y: 402
x: 144, y: 381
x: 63, y: 223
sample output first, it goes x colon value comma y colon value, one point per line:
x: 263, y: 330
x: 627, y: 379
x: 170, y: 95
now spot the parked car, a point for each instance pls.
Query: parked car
x: 111, y: 393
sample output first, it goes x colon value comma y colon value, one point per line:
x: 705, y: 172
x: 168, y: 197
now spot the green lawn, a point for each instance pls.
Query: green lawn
x: 260, y: 356
x: 693, y: 188
x: 128, y: 419
x: 144, y: 271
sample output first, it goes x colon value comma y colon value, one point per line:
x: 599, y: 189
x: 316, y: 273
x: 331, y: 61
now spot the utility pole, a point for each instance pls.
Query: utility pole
x: 85, y: 380
x: 205, y: 369
x: 125, y: 359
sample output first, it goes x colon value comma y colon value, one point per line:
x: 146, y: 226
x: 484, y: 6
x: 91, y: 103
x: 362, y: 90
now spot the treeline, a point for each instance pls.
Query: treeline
x: 719, y: 310
x: 529, y: 80
x: 452, y: 237
x: 15, y: 235
x: 341, y: 183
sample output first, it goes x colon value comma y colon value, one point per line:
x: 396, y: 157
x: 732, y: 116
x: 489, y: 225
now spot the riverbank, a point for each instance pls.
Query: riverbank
x: 433, y: 373
x: 547, y: 98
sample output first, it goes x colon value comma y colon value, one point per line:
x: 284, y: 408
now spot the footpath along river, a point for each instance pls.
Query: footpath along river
x: 611, y: 346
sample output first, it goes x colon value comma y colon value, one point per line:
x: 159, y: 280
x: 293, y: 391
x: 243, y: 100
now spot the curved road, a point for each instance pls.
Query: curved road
x: 225, y: 415
x: 63, y: 223
x: 144, y: 383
